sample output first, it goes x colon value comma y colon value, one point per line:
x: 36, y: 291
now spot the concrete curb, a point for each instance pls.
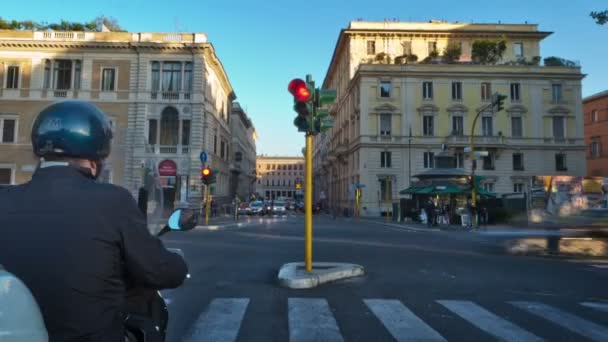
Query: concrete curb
x: 294, y: 276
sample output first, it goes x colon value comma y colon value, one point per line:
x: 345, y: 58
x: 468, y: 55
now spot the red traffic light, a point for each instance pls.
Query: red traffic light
x: 299, y: 89
x: 206, y: 172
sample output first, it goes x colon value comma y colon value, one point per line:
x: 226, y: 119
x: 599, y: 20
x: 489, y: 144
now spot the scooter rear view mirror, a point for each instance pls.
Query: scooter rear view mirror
x: 183, y: 219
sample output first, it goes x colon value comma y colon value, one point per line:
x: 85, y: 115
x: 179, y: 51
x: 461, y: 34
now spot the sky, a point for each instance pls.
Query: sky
x: 264, y: 44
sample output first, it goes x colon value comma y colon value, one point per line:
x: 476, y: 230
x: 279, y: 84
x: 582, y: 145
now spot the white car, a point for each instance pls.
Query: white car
x: 279, y: 207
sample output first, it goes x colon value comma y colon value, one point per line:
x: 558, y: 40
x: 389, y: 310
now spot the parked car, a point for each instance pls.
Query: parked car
x: 244, y: 209
x: 257, y: 208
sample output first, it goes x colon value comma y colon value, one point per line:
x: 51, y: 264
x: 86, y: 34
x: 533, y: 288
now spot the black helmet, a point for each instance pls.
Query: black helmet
x: 73, y: 129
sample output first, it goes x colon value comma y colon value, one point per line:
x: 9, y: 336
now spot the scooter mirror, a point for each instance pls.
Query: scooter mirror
x: 182, y: 219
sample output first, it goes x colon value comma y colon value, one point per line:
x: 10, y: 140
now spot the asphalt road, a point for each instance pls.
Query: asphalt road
x: 419, y: 286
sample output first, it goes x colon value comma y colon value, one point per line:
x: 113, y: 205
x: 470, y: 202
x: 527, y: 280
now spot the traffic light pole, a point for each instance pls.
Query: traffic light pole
x: 308, y: 204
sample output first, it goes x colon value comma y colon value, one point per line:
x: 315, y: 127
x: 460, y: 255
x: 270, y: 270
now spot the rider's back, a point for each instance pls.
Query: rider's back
x: 63, y: 234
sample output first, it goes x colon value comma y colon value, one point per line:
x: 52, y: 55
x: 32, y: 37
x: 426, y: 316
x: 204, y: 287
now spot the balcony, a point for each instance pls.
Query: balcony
x: 170, y: 95
x: 167, y: 149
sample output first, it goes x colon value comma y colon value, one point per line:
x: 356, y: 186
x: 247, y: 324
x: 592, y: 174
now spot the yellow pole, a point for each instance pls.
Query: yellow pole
x: 357, y: 195
x: 208, y: 206
x: 308, y: 204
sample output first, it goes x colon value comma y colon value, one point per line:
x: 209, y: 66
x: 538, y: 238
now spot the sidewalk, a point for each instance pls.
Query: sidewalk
x: 451, y: 227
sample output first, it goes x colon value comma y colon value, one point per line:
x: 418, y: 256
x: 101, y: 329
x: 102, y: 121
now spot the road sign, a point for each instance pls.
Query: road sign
x: 203, y: 157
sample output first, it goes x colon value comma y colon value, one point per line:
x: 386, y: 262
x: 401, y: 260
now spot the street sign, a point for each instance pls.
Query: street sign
x: 481, y: 154
x: 467, y: 149
x: 203, y: 157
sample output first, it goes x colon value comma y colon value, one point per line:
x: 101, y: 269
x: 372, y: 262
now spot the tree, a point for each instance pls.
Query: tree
x: 488, y: 51
x: 600, y: 17
x: 452, y: 53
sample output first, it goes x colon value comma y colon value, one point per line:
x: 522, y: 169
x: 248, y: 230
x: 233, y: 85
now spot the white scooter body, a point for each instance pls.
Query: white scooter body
x: 20, y: 317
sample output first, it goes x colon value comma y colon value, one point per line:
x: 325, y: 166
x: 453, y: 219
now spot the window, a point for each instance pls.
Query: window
x: 385, y: 124
x: 515, y: 92
x: 289, y: 167
x: 169, y: 127
x: 457, y: 91
x: 457, y: 125
x: 172, y: 76
x: 155, y: 76
x: 301, y: 167
x: 152, y: 129
x: 267, y: 166
x: 518, y: 161
x: 12, y: 77
x: 516, y: 127
x: 560, y: 162
x: 222, y: 149
x: 108, y: 78
x: 428, y: 129
x: 429, y: 160
x: 594, y: 116
x: 556, y: 91
x: 488, y: 162
x: 8, y: 128
x: 486, y: 126
x: 385, y: 159
x: 432, y: 46
x: 407, y: 48
x: 6, y: 176
x: 273, y: 182
x: 518, y: 50
x: 596, y: 148
x: 489, y: 187
x: 259, y: 182
x: 459, y: 160
x: 187, y: 76
x: 215, y: 146
x: 385, y: 89
x: 371, y: 47
x: 283, y: 184
x: 185, y: 132
x: 518, y: 187
x: 386, y: 189
x: 47, y: 74
x: 558, y: 127
x: 274, y: 167
x: 486, y: 91
x: 62, y: 74
x: 427, y: 90
x: 77, y: 73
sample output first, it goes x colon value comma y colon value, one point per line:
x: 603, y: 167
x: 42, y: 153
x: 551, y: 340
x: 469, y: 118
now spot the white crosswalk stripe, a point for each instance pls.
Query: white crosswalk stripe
x: 310, y: 319
x: 596, y: 306
x: 402, y: 323
x: 569, y: 321
x: 220, y: 322
x: 488, y: 322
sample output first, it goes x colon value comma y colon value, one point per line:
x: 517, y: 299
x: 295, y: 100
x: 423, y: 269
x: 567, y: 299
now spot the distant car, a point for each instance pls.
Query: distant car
x: 244, y: 209
x: 257, y: 208
x: 279, y: 207
x: 299, y: 206
x: 290, y: 205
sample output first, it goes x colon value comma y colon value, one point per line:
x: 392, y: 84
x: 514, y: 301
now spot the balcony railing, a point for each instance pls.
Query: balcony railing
x: 167, y: 149
x: 170, y: 95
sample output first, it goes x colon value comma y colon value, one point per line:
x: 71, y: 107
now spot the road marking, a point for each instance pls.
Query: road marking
x: 220, y: 322
x: 488, y: 322
x: 402, y: 323
x: 571, y: 322
x: 310, y: 319
x: 596, y: 306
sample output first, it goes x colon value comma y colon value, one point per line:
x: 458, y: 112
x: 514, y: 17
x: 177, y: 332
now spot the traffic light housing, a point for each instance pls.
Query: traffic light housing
x: 499, y: 102
x: 208, y: 175
x: 302, y: 97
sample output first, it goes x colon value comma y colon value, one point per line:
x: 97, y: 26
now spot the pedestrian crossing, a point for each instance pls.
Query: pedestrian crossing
x: 312, y: 319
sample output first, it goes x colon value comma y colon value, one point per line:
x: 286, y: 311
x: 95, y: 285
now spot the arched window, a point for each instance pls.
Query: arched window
x: 169, y: 127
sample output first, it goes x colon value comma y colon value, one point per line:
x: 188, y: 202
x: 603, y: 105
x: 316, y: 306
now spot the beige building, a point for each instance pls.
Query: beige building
x: 243, y: 160
x: 394, y: 112
x: 280, y: 177
x: 167, y: 95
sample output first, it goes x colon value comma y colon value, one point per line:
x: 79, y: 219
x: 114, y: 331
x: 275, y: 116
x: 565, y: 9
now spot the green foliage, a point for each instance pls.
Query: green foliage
x: 488, y: 51
x: 560, y: 62
x: 600, y: 17
x: 63, y: 25
x: 452, y: 53
x: 434, y: 54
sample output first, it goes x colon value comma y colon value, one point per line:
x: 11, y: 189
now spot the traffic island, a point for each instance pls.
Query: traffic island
x: 293, y: 275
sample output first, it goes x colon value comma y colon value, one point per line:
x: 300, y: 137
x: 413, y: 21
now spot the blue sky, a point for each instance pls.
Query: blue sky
x: 265, y: 44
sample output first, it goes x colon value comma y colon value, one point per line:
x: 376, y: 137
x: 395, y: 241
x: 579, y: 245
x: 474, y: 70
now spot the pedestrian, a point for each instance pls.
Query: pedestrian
x: 430, y: 213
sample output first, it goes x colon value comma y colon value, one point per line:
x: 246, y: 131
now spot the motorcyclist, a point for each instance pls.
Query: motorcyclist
x: 79, y: 245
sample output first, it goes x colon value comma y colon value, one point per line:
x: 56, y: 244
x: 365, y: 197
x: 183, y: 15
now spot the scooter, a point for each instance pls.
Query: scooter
x: 21, y: 319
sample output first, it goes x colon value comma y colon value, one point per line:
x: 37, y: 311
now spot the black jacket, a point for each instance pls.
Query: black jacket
x: 78, y: 245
